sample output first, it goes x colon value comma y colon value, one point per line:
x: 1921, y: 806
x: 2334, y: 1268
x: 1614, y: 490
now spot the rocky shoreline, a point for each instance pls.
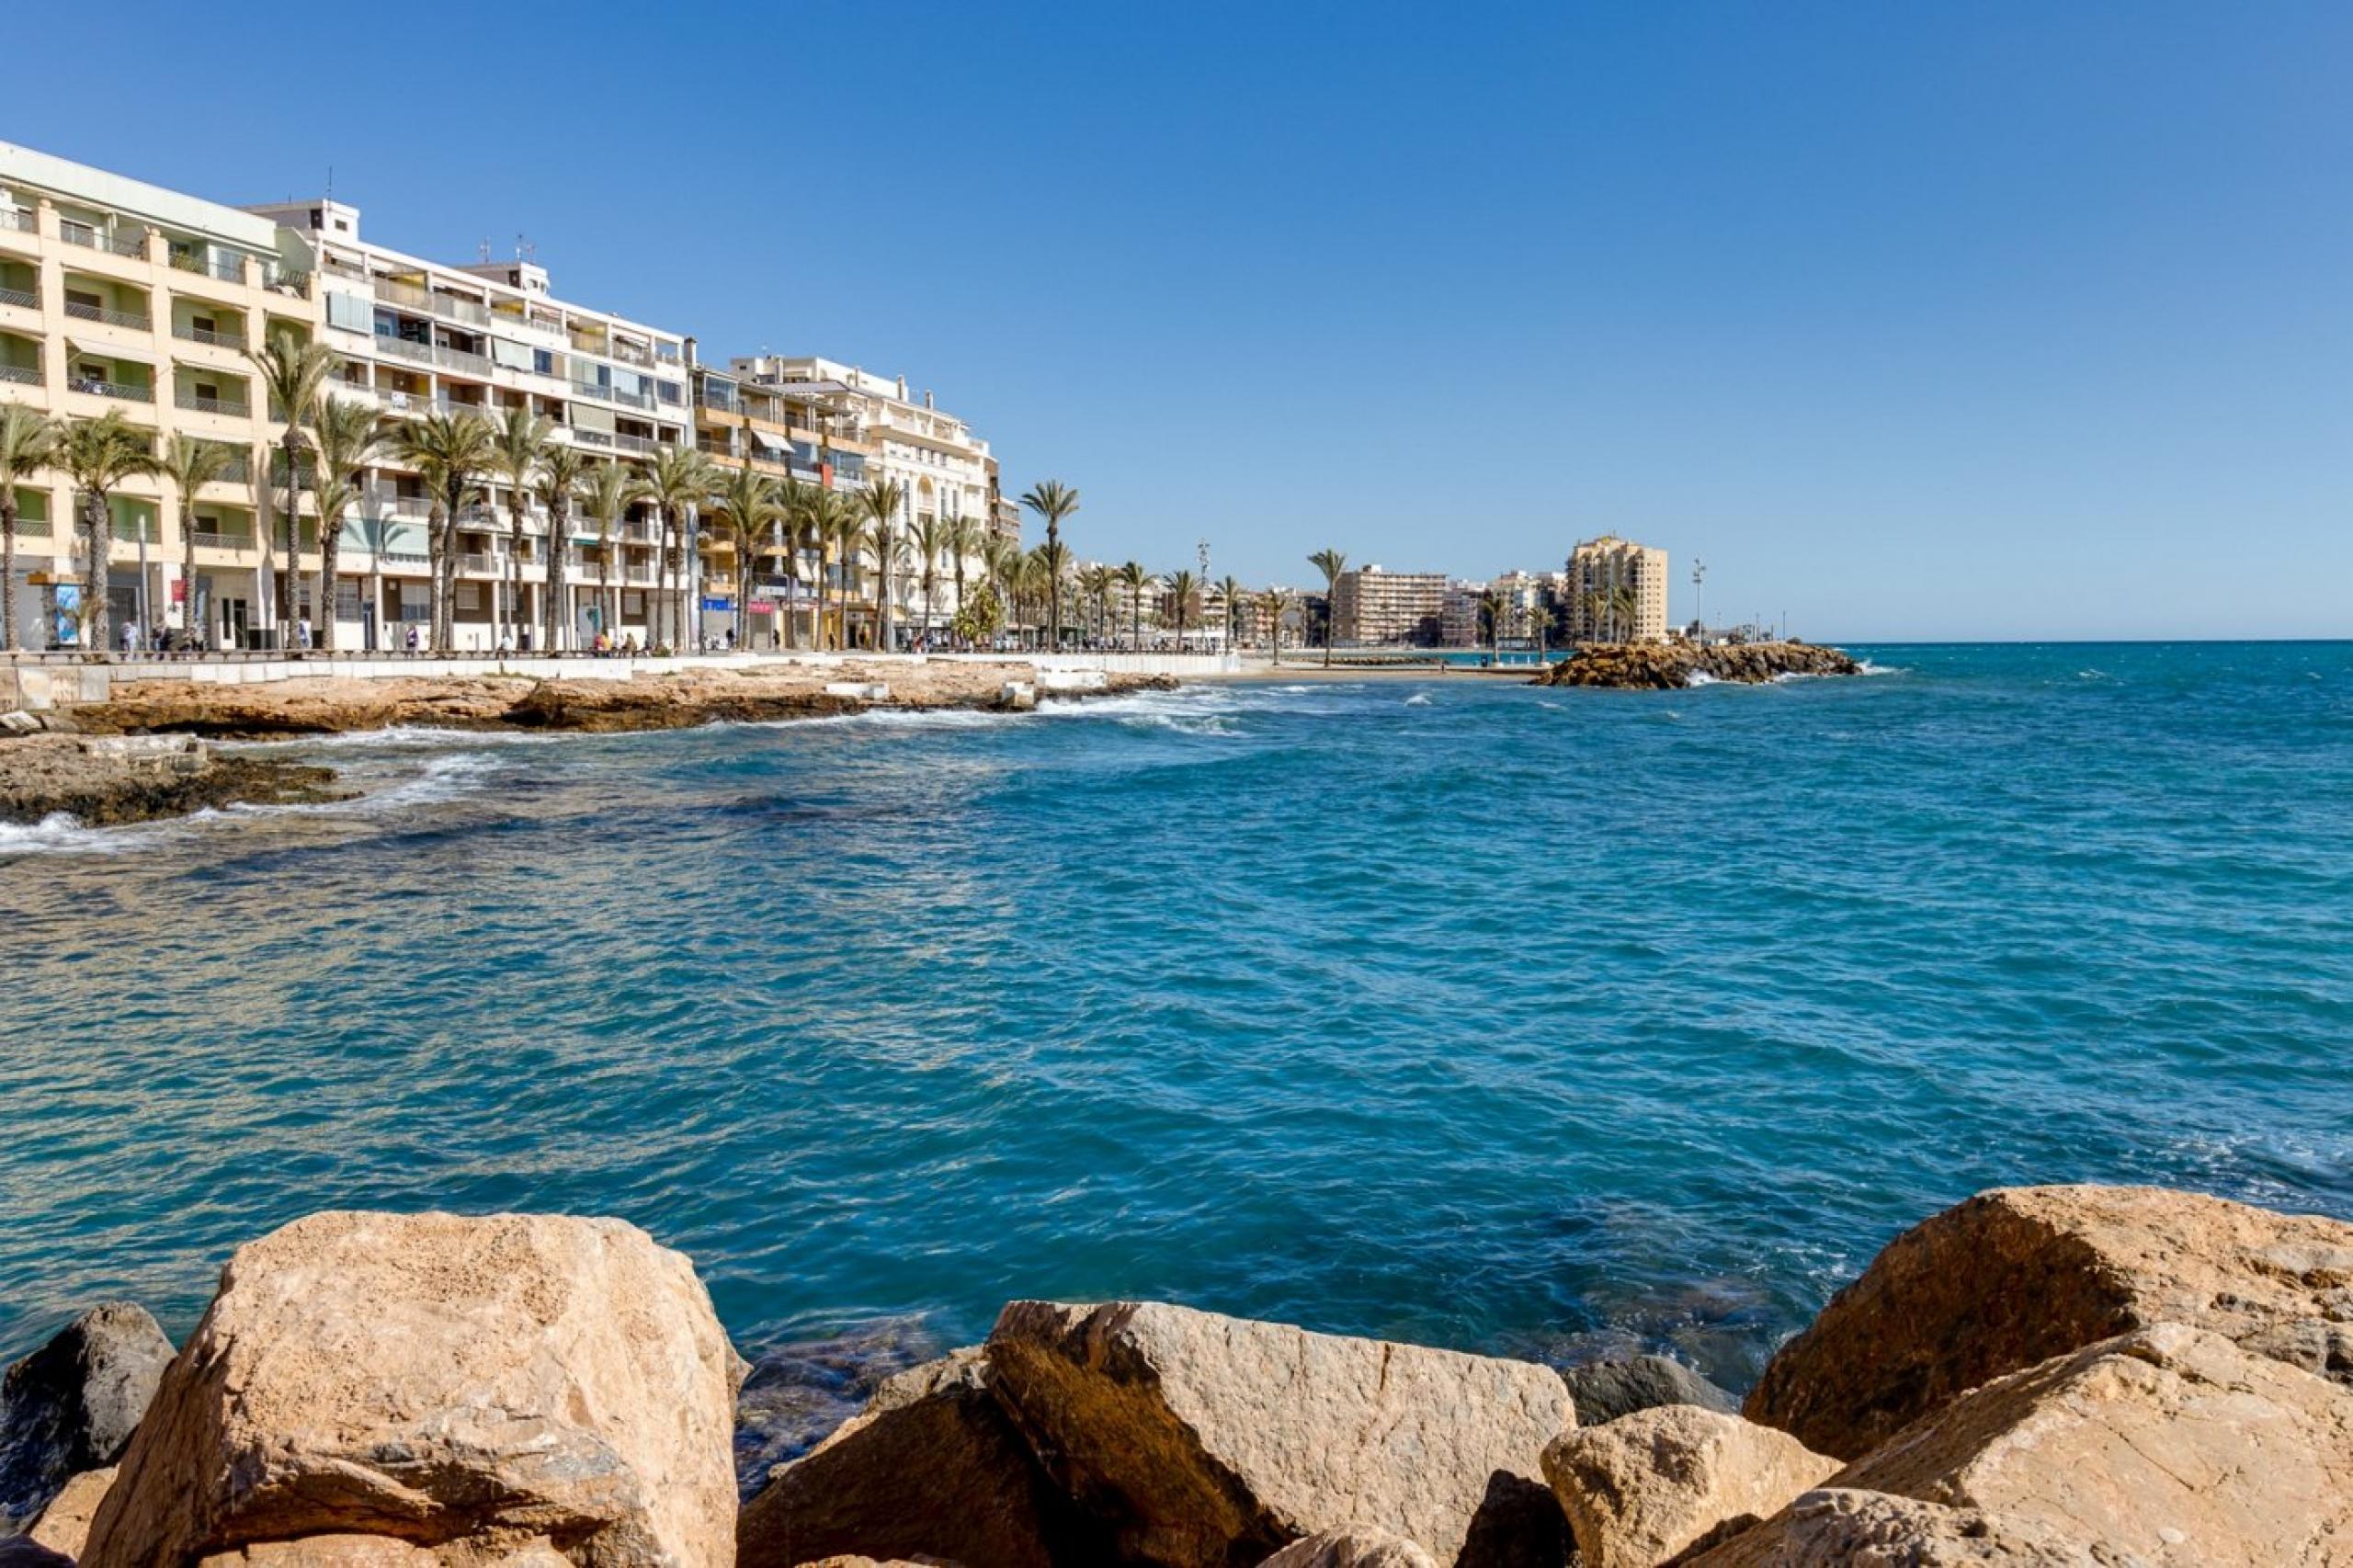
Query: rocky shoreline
x: 2041, y: 1376
x: 104, y: 781
x: 1668, y: 666
x: 124, y: 760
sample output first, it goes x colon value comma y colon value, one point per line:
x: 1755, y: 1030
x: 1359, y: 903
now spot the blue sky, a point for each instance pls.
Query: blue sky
x: 2008, y: 320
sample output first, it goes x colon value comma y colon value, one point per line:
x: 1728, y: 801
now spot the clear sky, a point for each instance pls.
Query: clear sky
x: 1996, y: 319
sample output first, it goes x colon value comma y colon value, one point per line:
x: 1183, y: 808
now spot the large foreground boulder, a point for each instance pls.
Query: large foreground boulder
x: 2170, y: 1446
x: 932, y: 1468
x: 469, y: 1387
x: 70, y: 1405
x: 1642, y: 1488
x: 2014, y: 1277
x: 1603, y: 1391
x: 1207, y: 1441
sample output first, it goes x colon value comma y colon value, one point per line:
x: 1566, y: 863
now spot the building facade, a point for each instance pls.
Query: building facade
x: 412, y: 336
x: 1615, y: 591
x: 948, y: 475
x: 121, y: 297
x: 1374, y: 606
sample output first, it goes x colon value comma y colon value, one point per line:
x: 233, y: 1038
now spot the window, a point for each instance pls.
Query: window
x: 669, y: 391
x: 470, y: 596
x: 543, y: 362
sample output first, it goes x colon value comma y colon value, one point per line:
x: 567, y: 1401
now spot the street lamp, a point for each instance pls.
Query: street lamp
x: 1698, y: 615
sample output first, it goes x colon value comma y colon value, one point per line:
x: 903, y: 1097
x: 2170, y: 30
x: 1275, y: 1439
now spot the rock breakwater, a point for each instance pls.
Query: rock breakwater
x: 1666, y: 667
x: 2051, y: 1376
x: 102, y: 781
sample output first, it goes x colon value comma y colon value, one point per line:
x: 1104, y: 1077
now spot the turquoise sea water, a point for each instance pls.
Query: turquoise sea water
x: 1545, y: 1022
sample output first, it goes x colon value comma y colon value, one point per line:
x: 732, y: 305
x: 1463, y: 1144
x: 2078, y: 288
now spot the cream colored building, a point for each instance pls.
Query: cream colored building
x: 118, y: 296
x: 481, y: 337
x: 1616, y: 590
x: 1372, y: 604
x: 948, y: 472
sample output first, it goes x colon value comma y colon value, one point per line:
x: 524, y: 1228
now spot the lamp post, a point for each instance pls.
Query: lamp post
x: 1699, y: 614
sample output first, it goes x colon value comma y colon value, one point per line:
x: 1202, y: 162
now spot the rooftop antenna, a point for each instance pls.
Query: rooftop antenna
x: 484, y: 248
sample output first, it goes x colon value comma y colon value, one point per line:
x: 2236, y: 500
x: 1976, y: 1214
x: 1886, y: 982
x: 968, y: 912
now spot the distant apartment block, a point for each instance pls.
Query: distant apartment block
x: 1615, y: 591
x: 1371, y: 606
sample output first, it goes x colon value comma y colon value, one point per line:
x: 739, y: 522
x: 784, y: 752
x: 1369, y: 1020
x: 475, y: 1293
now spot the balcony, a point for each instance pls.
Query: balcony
x: 19, y: 375
x: 223, y: 542
x: 477, y: 560
x: 19, y: 220
x: 393, y: 292
x: 628, y: 399
x: 133, y: 243
x: 232, y: 408
x: 234, y: 341
x: 401, y: 347
x: 628, y: 353
x: 637, y: 444
x: 590, y: 389
x: 591, y: 437
x: 121, y: 390
x: 461, y: 361
x: 75, y: 233
x: 136, y: 321
x: 24, y: 299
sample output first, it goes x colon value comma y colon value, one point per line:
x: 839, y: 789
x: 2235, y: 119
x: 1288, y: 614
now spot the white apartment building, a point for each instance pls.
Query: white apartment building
x: 948, y: 473
x: 1372, y: 604
x: 118, y: 296
x: 481, y: 337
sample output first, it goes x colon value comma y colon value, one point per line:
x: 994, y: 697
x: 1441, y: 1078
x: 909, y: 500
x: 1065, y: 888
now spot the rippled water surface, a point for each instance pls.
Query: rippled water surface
x: 1484, y: 1016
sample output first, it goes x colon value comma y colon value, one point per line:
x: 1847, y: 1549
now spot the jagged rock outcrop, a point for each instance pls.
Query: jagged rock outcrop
x: 1358, y: 1548
x: 103, y: 780
x: 70, y: 1405
x: 2170, y: 1446
x: 2014, y: 1277
x: 1206, y: 1441
x: 932, y: 1468
x: 1667, y: 666
x: 466, y: 1386
x: 1644, y: 1486
x: 1871, y: 1528
x: 1603, y: 1391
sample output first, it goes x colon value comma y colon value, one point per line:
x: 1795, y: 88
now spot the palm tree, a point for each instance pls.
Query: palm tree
x: 832, y: 524
x: 1625, y: 607
x: 349, y: 433
x: 1275, y: 602
x: 1054, y: 501
x: 1493, y: 605
x: 849, y: 532
x: 27, y: 445
x: 1332, y: 563
x: 190, y: 465
x: 1000, y: 565
x: 1184, y: 587
x: 522, y: 438
x: 451, y: 452
x: 607, y: 490
x: 97, y: 455
x: 1095, y: 590
x: 796, y: 502
x: 562, y: 468
x: 1595, y: 605
x: 680, y: 477
x: 744, y: 506
x: 963, y: 539
x: 1230, y: 588
x: 294, y: 374
x: 1133, y: 577
x: 931, y: 538
x: 881, y: 501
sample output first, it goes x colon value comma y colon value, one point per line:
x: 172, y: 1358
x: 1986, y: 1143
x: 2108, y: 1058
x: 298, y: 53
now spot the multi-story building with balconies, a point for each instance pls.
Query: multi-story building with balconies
x: 483, y: 337
x: 1372, y: 604
x: 948, y: 472
x: 118, y: 296
x: 1615, y: 591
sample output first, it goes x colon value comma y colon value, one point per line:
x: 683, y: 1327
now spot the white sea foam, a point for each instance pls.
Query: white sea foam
x: 1419, y: 699
x: 1869, y: 668
x: 1700, y: 677
x: 60, y: 834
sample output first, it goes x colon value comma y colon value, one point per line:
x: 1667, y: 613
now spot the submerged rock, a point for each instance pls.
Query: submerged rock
x: 2016, y: 1275
x: 467, y: 1385
x: 1603, y: 1391
x: 70, y: 1405
x: 932, y: 1468
x: 1205, y: 1441
x: 1646, y: 1485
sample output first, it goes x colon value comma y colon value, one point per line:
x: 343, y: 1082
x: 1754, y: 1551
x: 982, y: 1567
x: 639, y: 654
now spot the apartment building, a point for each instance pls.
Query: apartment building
x: 1372, y: 604
x: 1615, y: 591
x: 948, y: 473
x: 482, y: 338
x: 1462, y: 617
x: 805, y: 432
x: 118, y: 296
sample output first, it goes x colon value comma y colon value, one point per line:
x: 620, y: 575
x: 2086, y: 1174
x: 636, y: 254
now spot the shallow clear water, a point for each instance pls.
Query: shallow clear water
x: 1479, y: 1014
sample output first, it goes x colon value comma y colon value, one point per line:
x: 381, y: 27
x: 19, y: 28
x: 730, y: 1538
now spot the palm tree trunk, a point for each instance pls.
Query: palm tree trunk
x: 8, y: 568
x: 330, y: 554
x: 94, y: 582
x: 554, y: 615
x: 188, y: 569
